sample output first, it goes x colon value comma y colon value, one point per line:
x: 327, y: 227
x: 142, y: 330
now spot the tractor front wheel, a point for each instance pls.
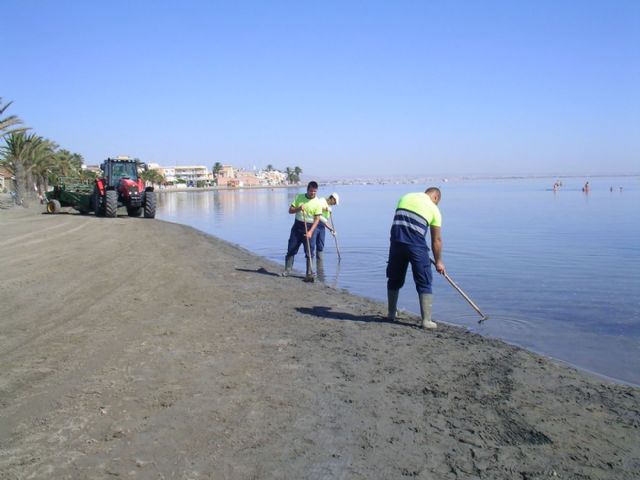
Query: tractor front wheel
x: 111, y: 204
x: 53, y: 206
x: 150, y: 205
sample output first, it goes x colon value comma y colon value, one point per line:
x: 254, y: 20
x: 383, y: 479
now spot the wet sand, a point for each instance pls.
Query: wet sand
x: 135, y: 348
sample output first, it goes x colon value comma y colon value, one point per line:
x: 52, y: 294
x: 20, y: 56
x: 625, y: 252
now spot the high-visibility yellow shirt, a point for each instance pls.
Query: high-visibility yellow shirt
x: 326, y: 210
x: 312, y: 207
x: 415, y: 213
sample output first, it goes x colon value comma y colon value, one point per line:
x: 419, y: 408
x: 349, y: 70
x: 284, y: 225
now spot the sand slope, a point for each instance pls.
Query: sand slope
x: 137, y: 348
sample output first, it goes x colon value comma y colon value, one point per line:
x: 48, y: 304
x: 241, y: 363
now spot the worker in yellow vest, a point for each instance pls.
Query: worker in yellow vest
x: 325, y: 224
x: 416, y: 214
x: 307, y: 209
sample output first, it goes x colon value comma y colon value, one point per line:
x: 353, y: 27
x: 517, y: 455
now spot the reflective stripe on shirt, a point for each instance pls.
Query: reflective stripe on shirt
x: 422, y: 231
x: 414, y: 214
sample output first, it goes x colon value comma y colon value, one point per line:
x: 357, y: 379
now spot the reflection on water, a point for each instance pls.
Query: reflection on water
x: 556, y: 272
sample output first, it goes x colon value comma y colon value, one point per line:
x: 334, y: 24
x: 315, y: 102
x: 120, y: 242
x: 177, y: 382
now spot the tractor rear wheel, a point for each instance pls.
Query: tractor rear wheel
x: 150, y: 205
x: 134, y: 211
x: 97, y: 203
x: 111, y: 204
x: 53, y: 206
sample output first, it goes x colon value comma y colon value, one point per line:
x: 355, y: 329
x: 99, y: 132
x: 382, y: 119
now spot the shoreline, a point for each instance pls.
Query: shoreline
x: 134, y: 345
x: 214, y: 189
x: 625, y: 375
x: 391, y: 181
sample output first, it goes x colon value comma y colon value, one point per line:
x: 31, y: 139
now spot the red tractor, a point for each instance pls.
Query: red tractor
x: 120, y: 186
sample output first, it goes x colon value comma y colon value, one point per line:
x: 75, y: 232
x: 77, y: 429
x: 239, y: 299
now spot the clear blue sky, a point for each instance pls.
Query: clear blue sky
x: 338, y: 88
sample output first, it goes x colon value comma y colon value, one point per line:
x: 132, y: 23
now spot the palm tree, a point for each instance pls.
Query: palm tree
x: 45, y: 165
x: 158, y: 177
x: 63, y: 164
x: 152, y: 176
x: 296, y: 174
x: 87, y: 176
x: 6, y: 123
x: 289, y: 173
x: 15, y: 156
x: 269, y: 168
x: 36, y: 162
x: 146, y: 175
x: 217, y: 168
x: 76, y: 160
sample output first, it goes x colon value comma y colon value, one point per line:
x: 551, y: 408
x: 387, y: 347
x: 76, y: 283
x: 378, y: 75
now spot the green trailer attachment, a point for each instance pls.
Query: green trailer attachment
x: 70, y: 192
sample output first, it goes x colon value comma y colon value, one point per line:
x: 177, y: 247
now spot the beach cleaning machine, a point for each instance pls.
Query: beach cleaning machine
x: 119, y: 186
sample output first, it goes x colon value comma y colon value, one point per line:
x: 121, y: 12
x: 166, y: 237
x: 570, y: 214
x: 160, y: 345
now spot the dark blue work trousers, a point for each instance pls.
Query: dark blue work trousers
x: 296, y: 238
x: 400, y: 256
x: 320, y: 234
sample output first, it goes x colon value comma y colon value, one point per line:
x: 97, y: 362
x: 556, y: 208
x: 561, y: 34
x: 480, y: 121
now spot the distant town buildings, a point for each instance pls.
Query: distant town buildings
x: 203, y: 176
x: 227, y: 176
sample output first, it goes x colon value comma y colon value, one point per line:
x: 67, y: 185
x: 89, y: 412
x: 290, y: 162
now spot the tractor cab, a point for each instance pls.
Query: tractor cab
x: 121, y: 175
x: 119, y: 169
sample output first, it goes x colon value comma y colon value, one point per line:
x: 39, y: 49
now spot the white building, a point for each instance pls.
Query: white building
x: 6, y: 179
x: 191, y: 174
x: 271, y: 177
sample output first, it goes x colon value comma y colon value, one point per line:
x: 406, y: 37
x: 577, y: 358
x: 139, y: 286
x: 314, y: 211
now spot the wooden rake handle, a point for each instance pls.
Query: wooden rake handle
x: 464, y: 295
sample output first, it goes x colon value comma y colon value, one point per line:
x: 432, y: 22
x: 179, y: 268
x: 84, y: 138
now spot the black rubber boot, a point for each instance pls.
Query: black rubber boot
x: 392, y: 303
x: 310, y: 276
x: 288, y: 265
x: 320, y: 265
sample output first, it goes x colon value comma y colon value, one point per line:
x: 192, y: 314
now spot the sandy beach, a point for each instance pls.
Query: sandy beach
x: 135, y: 348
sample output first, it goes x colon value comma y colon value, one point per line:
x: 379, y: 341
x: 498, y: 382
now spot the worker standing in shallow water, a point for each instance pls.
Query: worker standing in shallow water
x: 307, y: 209
x: 416, y: 214
x: 324, y: 225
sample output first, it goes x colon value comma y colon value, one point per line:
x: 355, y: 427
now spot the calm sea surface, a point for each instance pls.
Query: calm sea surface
x: 556, y: 272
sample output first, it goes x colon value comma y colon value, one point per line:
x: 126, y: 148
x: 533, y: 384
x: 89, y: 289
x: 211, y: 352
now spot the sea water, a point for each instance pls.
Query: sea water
x: 556, y: 272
